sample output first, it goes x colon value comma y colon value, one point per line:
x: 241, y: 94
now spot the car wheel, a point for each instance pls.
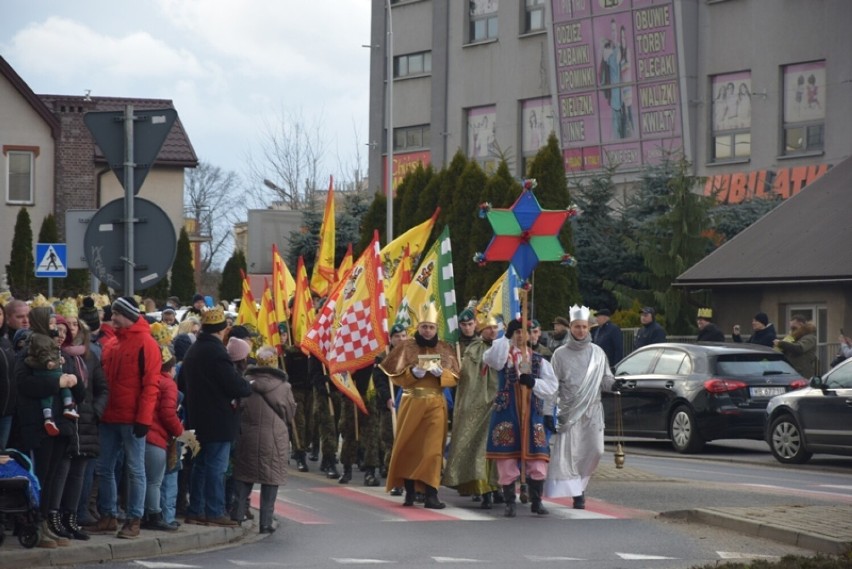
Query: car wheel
x: 787, y: 442
x: 684, y: 433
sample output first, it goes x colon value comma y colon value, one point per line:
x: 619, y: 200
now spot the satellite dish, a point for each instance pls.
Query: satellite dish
x: 154, y: 239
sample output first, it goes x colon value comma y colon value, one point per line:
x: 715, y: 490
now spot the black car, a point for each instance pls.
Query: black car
x: 695, y: 393
x: 815, y: 419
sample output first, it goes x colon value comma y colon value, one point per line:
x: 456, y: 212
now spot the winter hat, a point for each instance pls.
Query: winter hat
x: 762, y: 318
x: 22, y: 335
x: 107, y: 313
x: 127, y: 307
x: 182, y: 343
x: 513, y: 327
x: 89, y: 314
x: 238, y: 350
x: 198, y: 297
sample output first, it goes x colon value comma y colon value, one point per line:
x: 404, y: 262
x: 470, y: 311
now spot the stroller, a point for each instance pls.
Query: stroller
x: 19, y: 497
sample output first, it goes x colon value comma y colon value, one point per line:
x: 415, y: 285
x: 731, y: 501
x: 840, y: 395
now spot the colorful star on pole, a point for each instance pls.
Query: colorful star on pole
x: 525, y: 234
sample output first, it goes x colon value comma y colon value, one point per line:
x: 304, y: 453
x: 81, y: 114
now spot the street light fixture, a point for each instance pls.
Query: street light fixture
x: 276, y: 188
x: 389, y: 165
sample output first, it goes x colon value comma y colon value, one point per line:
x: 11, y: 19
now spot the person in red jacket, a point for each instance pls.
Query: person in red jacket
x: 131, y: 363
x: 166, y: 426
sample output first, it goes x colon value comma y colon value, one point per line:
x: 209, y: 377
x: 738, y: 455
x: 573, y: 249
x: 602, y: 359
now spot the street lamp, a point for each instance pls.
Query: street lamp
x: 389, y: 165
x: 276, y: 188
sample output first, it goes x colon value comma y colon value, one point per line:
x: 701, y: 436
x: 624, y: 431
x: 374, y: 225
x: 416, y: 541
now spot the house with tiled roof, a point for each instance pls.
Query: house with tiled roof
x: 51, y: 163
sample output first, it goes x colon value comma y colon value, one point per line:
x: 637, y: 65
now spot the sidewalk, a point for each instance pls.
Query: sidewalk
x: 106, y: 548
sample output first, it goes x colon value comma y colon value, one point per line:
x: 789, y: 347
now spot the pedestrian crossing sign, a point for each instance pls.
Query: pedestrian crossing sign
x: 51, y: 260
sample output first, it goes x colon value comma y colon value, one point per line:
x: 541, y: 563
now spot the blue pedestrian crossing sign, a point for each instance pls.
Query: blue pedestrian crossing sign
x: 51, y: 260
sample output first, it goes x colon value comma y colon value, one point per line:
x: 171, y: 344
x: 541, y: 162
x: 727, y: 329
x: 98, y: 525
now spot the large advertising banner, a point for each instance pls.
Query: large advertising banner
x: 804, y: 92
x: 402, y: 165
x: 617, y: 82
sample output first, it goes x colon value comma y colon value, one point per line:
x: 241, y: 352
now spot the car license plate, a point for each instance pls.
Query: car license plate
x: 766, y: 391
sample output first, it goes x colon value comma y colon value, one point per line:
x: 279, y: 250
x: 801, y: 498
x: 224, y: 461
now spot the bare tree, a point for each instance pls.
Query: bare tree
x: 289, y: 167
x: 212, y: 197
x: 353, y: 173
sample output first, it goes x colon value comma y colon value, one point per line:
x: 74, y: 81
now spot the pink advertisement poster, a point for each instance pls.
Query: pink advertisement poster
x: 617, y: 81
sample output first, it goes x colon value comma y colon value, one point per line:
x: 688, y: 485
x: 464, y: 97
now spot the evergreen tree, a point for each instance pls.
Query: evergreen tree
x: 599, y: 241
x: 183, y: 274
x: 407, y: 212
x: 447, y: 189
x: 501, y: 190
x: 20, y: 271
x: 675, y: 241
x: 231, y: 285
x: 555, y: 286
x: 374, y: 218
x: 729, y: 219
x: 305, y: 242
x: 461, y: 216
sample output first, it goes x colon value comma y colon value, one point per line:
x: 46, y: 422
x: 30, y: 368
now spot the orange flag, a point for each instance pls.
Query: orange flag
x: 283, y: 285
x: 248, y: 308
x: 324, y: 275
x: 303, y: 312
x: 352, y: 327
x: 267, y: 323
x: 345, y: 264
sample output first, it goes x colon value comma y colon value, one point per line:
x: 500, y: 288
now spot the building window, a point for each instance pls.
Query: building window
x: 411, y: 138
x: 534, y: 16
x: 804, y: 107
x: 731, y: 120
x: 19, y: 176
x: 483, y: 20
x: 413, y: 64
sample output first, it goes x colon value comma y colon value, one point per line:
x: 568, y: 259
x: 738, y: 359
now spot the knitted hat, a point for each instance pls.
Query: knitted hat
x: 198, y: 297
x: 241, y: 332
x: 127, y: 307
x: 238, y: 350
x: 513, y: 327
x: 762, y: 318
x: 182, y: 343
x: 89, y: 314
x: 267, y: 356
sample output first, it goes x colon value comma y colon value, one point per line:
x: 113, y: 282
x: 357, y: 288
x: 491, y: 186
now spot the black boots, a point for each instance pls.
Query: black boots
x: 69, y: 522
x: 432, y: 502
x: 580, y: 502
x: 54, y: 523
x: 370, y: 477
x: 347, y: 474
x: 536, y: 491
x: 509, y: 497
x: 330, y: 467
x: 486, y: 501
x: 301, y: 464
x: 156, y: 522
x: 409, y: 492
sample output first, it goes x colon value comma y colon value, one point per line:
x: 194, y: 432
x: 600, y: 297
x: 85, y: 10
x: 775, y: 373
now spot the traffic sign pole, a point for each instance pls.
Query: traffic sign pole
x: 129, y: 222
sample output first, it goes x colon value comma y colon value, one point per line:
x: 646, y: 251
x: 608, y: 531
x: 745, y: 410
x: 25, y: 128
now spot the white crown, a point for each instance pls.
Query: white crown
x: 578, y: 313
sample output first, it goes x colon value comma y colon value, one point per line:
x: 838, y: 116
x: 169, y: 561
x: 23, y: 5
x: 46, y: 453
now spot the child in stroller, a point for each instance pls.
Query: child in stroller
x: 19, y: 497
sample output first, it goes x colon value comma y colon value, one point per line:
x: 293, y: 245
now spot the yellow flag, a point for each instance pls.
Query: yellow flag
x: 324, y: 275
x: 398, y: 284
x: 267, y: 322
x: 345, y: 264
x: 303, y: 305
x: 248, y: 309
x: 415, y: 239
x: 283, y: 285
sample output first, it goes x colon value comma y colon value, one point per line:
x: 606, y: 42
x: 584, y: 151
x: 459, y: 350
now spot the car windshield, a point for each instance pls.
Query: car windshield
x: 840, y: 377
x: 751, y: 365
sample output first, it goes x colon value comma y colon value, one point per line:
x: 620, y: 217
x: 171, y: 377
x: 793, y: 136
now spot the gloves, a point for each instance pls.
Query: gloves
x: 436, y: 371
x: 549, y: 423
x: 139, y: 430
x: 418, y: 372
x: 527, y: 379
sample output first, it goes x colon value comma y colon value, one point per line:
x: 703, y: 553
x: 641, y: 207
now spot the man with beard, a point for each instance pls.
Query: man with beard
x: 517, y: 438
x: 583, y: 372
x: 467, y: 470
x: 422, y: 366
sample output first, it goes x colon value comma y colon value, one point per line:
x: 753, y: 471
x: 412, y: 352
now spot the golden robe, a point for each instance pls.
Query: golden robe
x: 418, y: 448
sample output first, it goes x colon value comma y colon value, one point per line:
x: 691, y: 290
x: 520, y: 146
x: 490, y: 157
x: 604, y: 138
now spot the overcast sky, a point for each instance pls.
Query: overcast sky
x: 230, y: 67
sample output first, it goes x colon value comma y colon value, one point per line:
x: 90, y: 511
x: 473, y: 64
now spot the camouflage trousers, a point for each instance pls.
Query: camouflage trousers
x: 304, y: 419
x: 386, y: 435
x: 325, y: 420
x: 367, y: 434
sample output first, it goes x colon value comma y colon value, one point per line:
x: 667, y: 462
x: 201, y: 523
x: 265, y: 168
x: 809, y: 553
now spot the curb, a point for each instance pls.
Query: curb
x: 107, y: 549
x: 771, y: 531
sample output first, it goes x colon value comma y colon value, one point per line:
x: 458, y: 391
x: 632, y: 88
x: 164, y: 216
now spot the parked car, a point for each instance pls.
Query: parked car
x: 815, y: 419
x: 695, y: 393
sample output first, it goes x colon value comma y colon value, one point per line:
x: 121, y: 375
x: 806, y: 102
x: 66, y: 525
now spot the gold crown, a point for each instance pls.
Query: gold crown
x: 214, y: 315
x: 161, y: 333
x: 166, y: 354
x: 267, y: 356
x: 40, y: 300
x: 428, y: 313
x: 67, y: 308
x: 706, y: 313
x: 486, y: 320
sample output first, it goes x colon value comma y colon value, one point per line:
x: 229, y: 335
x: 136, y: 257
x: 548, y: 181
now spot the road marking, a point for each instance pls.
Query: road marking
x: 801, y: 492
x: 358, y: 561
x: 164, y: 565
x: 639, y: 556
x: 536, y: 558
x: 458, y: 560
x: 735, y: 555
x: 242, y: 563
x: 836, y: 486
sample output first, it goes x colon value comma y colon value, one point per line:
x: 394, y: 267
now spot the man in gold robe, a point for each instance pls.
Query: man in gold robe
x: 422, y: 367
